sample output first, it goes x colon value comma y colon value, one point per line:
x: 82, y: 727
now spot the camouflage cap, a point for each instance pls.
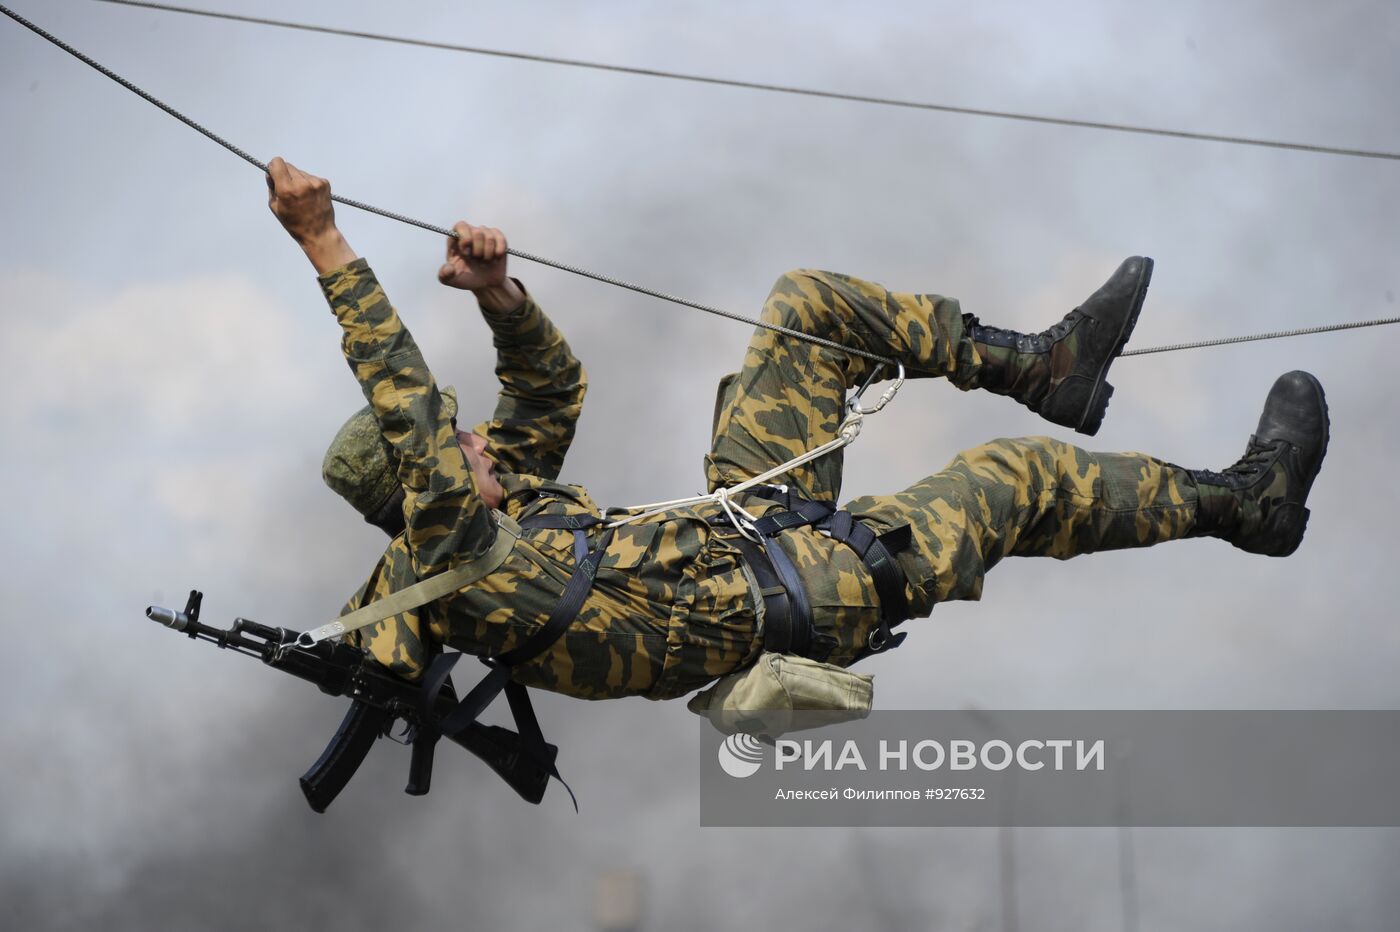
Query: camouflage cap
x: 360, y: 466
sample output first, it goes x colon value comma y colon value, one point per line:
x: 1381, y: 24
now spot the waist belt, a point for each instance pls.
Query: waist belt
x: 788, y: 626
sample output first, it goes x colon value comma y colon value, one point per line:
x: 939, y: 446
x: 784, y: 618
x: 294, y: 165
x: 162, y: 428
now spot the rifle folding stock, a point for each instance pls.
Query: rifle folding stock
x: 505, y: 752
x: 379, y: 700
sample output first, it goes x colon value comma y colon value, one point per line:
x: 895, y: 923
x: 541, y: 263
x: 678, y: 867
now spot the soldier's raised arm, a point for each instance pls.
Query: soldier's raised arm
x: 447, y: 521
x: 542, y: 383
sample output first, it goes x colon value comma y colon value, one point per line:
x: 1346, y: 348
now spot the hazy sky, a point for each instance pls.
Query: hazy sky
x: 176, y: 376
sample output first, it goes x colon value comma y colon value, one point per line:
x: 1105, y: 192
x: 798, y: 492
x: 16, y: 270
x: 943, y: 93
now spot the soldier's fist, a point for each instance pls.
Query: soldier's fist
x: 476, y: 258
x: 301, y: 202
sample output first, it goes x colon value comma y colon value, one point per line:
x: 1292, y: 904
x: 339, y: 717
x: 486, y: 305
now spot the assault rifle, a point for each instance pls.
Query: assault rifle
x: 379, y: 701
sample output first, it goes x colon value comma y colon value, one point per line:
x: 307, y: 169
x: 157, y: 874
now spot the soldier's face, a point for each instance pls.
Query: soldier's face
x: 483, y: 468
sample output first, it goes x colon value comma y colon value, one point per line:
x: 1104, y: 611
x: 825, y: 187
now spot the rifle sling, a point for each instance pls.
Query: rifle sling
x: 425, y: 590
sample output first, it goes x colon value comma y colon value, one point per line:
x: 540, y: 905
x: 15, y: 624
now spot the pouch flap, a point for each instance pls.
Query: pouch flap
x: 760, y: 699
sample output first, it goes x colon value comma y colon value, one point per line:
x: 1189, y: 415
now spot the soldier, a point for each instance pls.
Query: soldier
x: 675, y: 603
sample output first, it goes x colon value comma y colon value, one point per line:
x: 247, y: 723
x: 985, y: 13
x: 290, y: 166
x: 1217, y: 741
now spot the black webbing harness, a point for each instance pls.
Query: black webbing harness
x: 788, y: 622
x: 465, y: 713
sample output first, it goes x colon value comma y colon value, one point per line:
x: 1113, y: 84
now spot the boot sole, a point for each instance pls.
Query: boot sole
x: 1294, y: 541
x: 1291, y: 545
x: 1098, y: 398
x: 1326, y: 432
x: 1326, y: 439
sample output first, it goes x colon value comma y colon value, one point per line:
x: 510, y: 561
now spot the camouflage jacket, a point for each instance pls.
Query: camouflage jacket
x: 671, y: 608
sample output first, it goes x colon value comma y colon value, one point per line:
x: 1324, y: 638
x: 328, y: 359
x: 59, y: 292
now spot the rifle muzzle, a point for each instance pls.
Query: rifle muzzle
x: 168, y: 617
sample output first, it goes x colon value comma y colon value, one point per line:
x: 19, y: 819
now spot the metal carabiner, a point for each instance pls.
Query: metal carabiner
x: 854, y: 405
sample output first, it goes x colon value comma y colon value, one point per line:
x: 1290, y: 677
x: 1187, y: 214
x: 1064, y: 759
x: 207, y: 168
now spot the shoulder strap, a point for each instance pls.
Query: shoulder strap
x: 423, y: 591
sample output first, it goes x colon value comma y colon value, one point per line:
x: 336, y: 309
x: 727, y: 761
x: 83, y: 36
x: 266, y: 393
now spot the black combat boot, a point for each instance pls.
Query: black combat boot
x: 1257, y: 504
x: 1060, y: 373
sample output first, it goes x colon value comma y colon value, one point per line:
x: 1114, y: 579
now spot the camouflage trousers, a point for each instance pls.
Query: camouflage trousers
x: 1032, y: 496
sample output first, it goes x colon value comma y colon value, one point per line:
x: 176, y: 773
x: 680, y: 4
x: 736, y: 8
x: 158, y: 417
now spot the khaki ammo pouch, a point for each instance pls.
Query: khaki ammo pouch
x: 761, y: 699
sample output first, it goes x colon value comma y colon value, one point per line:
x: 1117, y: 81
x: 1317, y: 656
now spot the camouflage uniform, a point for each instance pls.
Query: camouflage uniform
x: 1025, y: 497
x: 673, y: 607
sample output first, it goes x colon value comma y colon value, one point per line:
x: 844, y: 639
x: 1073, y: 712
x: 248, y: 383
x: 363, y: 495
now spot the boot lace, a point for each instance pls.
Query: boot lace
x: 1056, y: 332
x: 1258, y: 457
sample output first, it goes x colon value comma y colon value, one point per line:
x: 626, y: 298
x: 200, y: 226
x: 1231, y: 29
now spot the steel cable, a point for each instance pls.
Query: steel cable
x: 432, y: 227
x: 598, y: 276
x: 1273, y: 335
x: 773, y: 88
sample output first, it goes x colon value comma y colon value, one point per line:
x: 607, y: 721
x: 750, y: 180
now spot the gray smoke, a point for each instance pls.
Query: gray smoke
x: 174, y: 377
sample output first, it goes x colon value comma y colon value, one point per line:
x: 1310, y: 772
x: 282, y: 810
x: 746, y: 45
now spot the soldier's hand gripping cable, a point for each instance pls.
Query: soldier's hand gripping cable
x: 491, y: 555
